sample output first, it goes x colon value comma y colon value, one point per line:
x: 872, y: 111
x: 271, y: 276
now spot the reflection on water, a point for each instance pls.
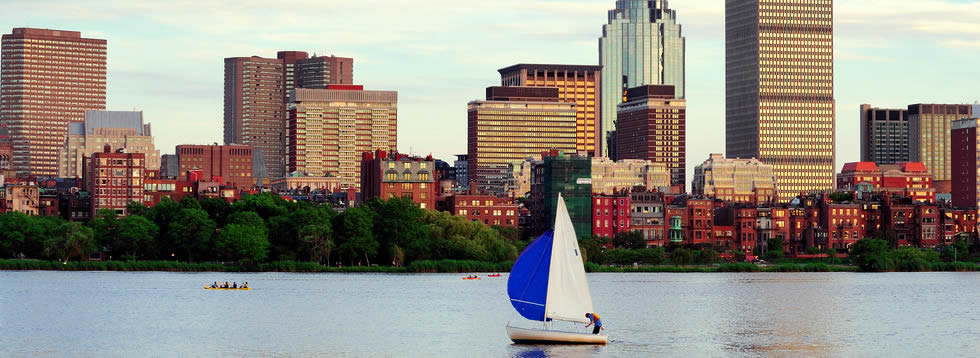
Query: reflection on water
x: 742, y: 315
x: 548, y: 351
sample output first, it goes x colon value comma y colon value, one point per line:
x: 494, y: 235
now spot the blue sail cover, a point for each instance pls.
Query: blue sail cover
x: 527, y: 285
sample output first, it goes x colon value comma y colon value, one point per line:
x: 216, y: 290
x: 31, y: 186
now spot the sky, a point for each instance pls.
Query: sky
x: 166, y: 57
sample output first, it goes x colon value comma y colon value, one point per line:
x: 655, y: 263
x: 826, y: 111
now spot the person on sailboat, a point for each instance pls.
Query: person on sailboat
x: 594, y: 319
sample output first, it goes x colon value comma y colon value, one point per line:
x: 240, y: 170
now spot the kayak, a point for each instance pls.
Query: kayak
x: 232, y: 289
x: 494, y: 275
x: 471, y: 278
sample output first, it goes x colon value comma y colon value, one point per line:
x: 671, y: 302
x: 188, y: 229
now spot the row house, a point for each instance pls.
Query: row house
x: 487, y: 209
x: 611, y: 214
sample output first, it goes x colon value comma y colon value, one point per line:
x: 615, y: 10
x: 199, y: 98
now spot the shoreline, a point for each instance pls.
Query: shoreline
x: 441, y: 266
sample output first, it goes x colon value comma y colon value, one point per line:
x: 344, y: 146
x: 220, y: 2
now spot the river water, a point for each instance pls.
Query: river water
x: 80, y: 314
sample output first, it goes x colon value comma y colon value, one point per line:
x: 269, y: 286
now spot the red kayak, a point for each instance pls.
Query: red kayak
x: 494, y: 275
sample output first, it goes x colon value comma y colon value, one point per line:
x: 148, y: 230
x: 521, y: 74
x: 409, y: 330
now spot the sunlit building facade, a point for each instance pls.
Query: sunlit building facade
x: 651, y: 125
x: 329, y: 129
x: 511, y: 125
x: 576, y: 83
x: 49, y: 79
x: 124, y: 130
x: 611, y: 177
x: 641, y: 44
x: 746, y: 181
x: 779, y: 75
x: 929, y: 135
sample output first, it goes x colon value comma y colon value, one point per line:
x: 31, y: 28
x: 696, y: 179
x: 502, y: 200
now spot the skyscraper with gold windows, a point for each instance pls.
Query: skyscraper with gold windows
x: 779, y: 77
x: 579, y: 84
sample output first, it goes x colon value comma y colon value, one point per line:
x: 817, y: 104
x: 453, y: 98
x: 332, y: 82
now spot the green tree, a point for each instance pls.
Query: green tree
x: 162, y: 214
x: 629, y: 240
x: 774, y: 249
x: 21, y: 234
x: 871, y: 255
x: 105, y: 225
x: 243, y: 242
x: 681, y: 256
x: 356, y: 237
x: 318, y: 239
x: 192, y: 231
x: 73, y: 241
x: 399, y: 222
x: 708, y: 256
x: 218, y: 209
x: 135, y: 236
x: 959, y: 250
x: 136, y: 208
x: 594, y: 249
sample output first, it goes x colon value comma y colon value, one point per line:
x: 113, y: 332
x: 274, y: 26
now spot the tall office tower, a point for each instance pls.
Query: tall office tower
x: 641, y: 44
x: 118, y: 129
x: 576, y: 83
x: 512, y: 124
x: 929, y: 135
x: 330, y: 128
x: 884, y: 135
x: 257, y: 92
x: 49, y: 78
x: 322, y: 71
x: 254, y: 107
x: 651, y: 125
x: 965, y: 156
x: 779, y: 83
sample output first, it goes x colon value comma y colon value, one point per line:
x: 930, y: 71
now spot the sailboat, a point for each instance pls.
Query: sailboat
x: 547, y: 283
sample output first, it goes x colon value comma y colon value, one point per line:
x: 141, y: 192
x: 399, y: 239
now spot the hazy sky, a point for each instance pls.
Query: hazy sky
x: 166, y: 57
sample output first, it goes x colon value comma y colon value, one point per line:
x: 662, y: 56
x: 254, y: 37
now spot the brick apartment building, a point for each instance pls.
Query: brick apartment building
x: 388, y: 175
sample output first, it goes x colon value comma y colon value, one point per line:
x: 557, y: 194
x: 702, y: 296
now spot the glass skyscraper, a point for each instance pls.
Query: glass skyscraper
x: 641, y: 45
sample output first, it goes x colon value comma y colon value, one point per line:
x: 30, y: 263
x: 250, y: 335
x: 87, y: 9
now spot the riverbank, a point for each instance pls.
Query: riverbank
x: 427, y: 266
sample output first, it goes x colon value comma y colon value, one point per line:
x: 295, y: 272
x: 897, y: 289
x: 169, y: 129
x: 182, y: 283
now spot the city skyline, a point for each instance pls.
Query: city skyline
x: 172, y: 71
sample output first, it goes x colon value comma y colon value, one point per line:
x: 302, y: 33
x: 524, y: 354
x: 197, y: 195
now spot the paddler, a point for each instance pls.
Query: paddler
x: 594, y: 319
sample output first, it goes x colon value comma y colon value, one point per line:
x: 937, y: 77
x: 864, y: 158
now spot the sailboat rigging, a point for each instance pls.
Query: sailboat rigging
x: 547, y: 283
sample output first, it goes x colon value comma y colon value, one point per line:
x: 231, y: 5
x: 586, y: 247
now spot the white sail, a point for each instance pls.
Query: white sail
x: 569, y: 298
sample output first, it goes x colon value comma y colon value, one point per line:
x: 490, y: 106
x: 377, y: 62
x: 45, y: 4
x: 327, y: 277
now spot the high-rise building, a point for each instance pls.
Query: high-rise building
x: 322, y: 71
x: 929, y: 130
x: 611, y: 177
x: 257, y: 93
x: 49, y: 78
x: 460, y: 166
x: 575, y: 83
x: 6, y: 153
x: 124, y: 130
x: 651, y: 125
x: 169, y: 166
x: 229, y: 164
x: 511, y: 125
x: 965, y: 167
x: 330, y: 128
x: 570, y: 177
x: 779, y: 84
x: 884, y: 135
x: 746, y: 181
x: 115, y: 179
x: 387, y: 175
x: 641, y: 44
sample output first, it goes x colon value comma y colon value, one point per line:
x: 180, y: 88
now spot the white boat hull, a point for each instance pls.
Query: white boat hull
x: 540, y: 336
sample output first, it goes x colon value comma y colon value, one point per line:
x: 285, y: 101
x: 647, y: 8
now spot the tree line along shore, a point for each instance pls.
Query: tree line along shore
x: 264, y: 233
